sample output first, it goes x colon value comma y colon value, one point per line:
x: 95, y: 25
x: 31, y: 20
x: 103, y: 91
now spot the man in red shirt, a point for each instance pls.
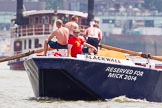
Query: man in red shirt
x: 75, y: 44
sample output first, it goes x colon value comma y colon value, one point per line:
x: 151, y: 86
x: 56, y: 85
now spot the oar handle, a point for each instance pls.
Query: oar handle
x: 17, y: 56
x: 23, y: 54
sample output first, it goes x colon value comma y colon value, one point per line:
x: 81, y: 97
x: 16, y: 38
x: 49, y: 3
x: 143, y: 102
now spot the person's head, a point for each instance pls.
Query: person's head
x: 76, y: 32
x: 74, y: 18
x: 96, y: 20
x: 59, y: 23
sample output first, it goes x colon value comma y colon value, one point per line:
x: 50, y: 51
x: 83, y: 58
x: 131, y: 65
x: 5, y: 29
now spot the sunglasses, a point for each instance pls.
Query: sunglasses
x: 76, y: 32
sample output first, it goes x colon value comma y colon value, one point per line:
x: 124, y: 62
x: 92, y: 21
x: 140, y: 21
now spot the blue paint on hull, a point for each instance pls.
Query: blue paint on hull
x: 93, y: 80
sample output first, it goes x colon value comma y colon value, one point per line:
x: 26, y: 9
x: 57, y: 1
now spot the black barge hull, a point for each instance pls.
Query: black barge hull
x: 74, y: 79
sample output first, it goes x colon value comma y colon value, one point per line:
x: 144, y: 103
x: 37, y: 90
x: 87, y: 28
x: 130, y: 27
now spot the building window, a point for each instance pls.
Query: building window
x: 108, y: 21
x: 53, y: 19
x: 45, y: 20
x: 36, y: 20
x: 30, y: 21
x: 83, y: 7
x: 30, y: 43
x: 36, y: 43
x: 75, y: 6
x: 64, y: 19
x: 24, y: 44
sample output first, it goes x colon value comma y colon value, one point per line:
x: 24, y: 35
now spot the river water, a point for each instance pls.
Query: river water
x: 16, y: 92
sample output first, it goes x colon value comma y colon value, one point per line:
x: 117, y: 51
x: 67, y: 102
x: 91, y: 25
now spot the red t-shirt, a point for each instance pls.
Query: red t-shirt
x: 76, y: 45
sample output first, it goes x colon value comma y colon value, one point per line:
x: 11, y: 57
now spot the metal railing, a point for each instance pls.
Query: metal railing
x: 28, y: 30
x: 32, y: 30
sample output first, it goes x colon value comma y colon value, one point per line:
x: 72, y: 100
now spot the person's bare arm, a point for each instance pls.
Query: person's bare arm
x: 85, y: 34
x: 69, y: 50
x: 51, y: 36
x: 90, y: 46
x: 100, y: 36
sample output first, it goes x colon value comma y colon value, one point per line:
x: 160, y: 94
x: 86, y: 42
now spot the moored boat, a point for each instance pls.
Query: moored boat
x: 29, y: 29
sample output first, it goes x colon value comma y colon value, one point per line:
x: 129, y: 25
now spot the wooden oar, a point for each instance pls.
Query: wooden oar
x: 22, y: 55
x: 130, y: 52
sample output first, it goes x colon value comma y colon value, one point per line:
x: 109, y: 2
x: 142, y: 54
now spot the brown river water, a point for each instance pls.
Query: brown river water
x: 16, y: 92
